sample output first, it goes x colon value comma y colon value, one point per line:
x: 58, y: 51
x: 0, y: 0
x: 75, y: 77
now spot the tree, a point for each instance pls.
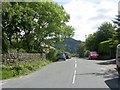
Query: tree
x: 117, y: 23
x: 68, y: 32
x: 81, y: 49
x: 52, y: 20
x: 90, y: 43
x: 10, y: 21
x: 108, y: 47
x: 33, y: 25
x: 105, y: 31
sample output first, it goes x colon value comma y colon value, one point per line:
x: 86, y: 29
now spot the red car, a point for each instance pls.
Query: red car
x: 93, y: 55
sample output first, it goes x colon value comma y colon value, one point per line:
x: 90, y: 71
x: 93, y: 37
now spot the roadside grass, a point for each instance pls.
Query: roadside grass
x: 21, y: 68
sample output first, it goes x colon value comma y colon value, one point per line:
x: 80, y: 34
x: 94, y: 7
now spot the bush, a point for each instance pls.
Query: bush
x: 104, y: 57
x: 22, y: 51
x: 22, y: 68
x: 86, y: 53
x: 52, y: 55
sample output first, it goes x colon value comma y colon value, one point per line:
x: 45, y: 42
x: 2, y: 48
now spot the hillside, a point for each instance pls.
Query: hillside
x: 69, y: 44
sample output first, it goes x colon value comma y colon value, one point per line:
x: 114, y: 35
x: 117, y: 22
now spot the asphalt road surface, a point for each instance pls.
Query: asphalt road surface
x: 73, y: 73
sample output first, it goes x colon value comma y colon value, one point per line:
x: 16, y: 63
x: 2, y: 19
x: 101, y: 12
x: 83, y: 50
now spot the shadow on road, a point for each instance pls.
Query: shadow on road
x: 108, y: 74
x: 107, y: 62
x: 111, y: 79
x: 60, y: 60
x: 113, y: 84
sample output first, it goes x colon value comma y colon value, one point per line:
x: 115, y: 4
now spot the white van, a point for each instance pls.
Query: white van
x: 118, y: 59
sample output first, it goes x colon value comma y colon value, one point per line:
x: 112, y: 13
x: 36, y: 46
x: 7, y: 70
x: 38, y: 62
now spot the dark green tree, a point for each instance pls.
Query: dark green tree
x: 33, y: 26
x: 81, y: 49
x: 117, y: 23
x: 105, y: 31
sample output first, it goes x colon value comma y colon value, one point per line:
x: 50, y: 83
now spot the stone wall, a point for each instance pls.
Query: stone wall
x: 18, y: 57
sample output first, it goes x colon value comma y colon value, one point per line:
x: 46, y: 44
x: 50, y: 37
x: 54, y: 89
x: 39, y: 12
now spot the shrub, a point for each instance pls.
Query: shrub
x: 22, y: 51
x: 22, y: 68
x: 52, y: 55
x: 86, y: 53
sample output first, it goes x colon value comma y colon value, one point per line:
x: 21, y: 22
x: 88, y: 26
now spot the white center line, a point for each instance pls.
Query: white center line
x: 74, y: 77
x: 75, y: 65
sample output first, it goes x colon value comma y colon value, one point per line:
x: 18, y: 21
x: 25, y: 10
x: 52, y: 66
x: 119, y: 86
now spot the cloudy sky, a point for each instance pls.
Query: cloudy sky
x: 87, y: 15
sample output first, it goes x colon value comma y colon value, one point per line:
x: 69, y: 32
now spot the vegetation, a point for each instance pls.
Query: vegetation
x: 104, y: 32
x: 108, y: 48
x: 104, y: 41
x: 116, y: 21
x: 31, y: 26
x: 52, y: 55
x: 81, y: 49
x: 21, y: 68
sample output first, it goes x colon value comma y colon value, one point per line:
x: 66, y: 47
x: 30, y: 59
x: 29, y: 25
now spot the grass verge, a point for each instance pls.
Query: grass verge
x: 21, y: 68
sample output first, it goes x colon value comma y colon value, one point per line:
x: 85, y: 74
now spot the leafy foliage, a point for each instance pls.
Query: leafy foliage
x: 22, y: 68
x: 108, y: 47
x: 81, y: 49
x: 33, y: 25
x: 105, y: 31
x: 117, y: 22
x: 52, y: 55
x: 103, y: 41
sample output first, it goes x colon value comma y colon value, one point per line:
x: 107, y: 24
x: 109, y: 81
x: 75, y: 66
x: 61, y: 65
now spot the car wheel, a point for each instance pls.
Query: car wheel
x: 119, y: 73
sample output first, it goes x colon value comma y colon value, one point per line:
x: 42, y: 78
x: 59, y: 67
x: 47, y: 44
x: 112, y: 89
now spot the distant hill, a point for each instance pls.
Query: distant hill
x: 69, y: 44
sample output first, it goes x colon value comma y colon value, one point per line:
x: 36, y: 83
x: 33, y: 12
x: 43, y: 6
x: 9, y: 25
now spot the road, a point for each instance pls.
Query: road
x: 73, y: 73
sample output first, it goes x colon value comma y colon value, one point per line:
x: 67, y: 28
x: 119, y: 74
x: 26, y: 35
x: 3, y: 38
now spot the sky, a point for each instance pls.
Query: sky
x: 87, y: 15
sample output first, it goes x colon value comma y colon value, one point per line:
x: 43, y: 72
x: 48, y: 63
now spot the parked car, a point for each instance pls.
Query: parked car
x: 93, y: 55
x: 68, y: 56
x: 61, y: 56
x: 118, y: 59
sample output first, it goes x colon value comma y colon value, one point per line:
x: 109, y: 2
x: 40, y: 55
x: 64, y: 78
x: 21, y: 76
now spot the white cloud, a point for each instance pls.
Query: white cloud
x: 87, y: 16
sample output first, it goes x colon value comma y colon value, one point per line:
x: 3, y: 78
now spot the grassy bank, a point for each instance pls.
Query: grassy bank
x: 21, y: 68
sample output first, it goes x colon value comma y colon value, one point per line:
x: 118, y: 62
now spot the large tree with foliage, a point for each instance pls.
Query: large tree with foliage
x: 105, y: 31
x: 33, y: 25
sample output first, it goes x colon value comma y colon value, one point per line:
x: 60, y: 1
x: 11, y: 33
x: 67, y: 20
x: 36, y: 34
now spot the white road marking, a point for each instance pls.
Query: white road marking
x: 75, y: 65
x: 75, y: 61
x: 74, y: 77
